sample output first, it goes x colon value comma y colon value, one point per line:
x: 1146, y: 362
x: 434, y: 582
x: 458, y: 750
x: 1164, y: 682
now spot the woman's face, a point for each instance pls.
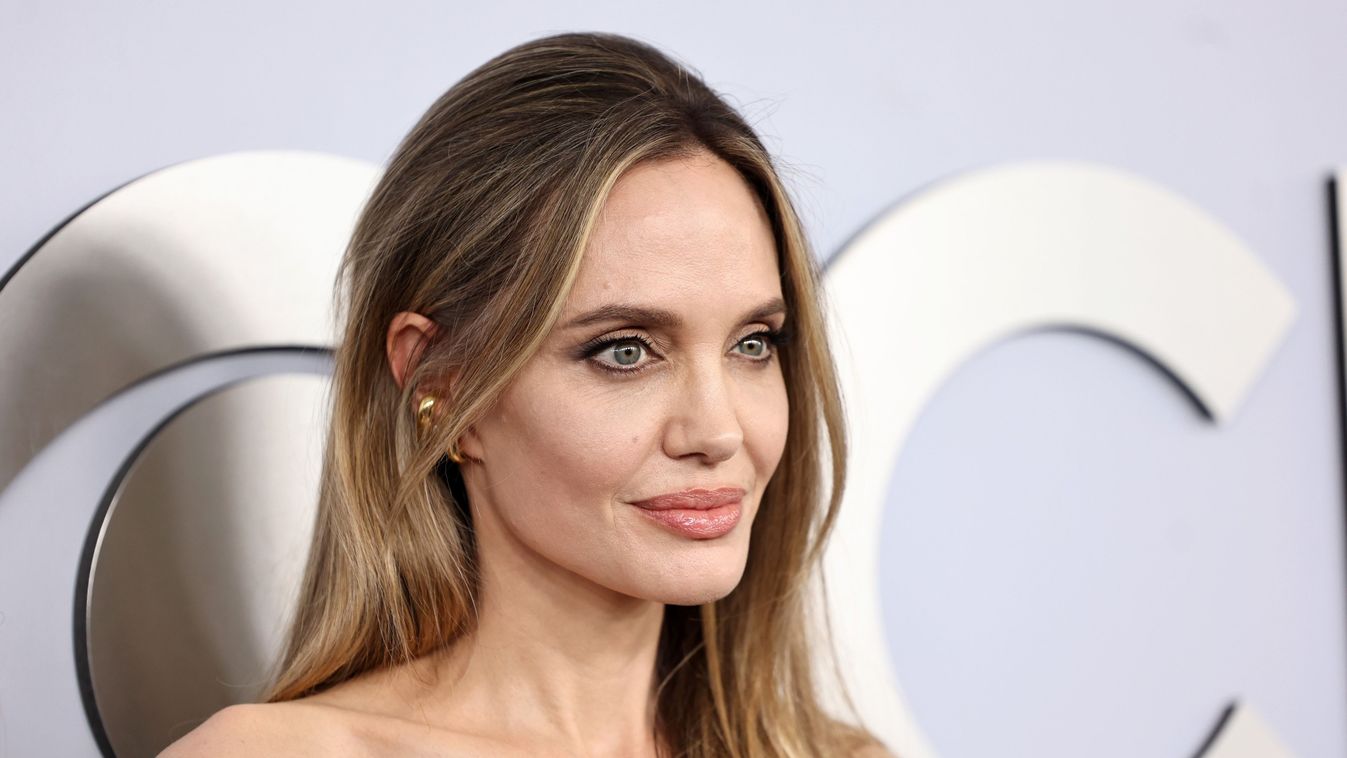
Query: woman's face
x: 660, y: 377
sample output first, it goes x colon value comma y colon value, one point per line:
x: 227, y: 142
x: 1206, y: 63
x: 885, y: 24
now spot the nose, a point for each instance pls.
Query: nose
x: 704, y: 420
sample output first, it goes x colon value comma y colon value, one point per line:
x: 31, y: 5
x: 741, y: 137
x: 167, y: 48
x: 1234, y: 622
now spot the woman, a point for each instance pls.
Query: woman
x: 573, y: 489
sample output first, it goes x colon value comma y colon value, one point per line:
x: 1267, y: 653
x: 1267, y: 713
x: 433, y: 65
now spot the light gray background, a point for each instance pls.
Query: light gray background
x: 1076, y: 563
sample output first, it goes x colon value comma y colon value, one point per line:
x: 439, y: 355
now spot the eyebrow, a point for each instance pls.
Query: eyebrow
x: 661, y: 318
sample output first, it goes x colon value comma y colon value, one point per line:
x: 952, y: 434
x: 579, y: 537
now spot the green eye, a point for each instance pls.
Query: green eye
x: 627, y: 353
x: 755, y: 346
x: 762, y: 345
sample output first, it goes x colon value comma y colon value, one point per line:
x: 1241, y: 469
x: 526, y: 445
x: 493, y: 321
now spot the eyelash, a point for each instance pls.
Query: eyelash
x: 774, y: 337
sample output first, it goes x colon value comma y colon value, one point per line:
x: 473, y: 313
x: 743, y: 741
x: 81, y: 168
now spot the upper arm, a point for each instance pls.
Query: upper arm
x: 243, y: 730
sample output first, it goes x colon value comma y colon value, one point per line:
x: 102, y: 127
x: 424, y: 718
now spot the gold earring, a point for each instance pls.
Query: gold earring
x: 423, y: 412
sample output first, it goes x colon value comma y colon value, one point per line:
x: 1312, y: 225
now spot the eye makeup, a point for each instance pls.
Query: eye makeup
x: 590, y: 351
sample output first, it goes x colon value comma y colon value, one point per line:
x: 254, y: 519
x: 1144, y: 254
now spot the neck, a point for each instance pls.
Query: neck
x: 555, y: 658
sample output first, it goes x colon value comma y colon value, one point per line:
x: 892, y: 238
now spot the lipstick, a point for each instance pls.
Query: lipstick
x: 698, y: 514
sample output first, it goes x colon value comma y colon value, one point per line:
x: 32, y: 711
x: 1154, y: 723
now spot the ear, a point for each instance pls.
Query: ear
x: 407, y: 334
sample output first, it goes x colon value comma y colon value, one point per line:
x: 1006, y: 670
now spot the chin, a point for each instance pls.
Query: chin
x: 695, y: 596
x: 695, y: 586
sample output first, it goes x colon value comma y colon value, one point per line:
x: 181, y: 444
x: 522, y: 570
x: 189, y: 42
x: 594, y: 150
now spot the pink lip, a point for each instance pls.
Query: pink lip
x: 693, y: 499
x: 696, y: 513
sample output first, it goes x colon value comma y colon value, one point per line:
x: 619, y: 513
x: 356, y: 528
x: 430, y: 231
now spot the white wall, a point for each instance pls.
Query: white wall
x: 1076, y: 562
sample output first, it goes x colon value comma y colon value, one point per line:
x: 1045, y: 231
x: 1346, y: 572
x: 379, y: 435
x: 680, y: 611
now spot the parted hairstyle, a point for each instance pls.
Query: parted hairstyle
x: 479, y: 223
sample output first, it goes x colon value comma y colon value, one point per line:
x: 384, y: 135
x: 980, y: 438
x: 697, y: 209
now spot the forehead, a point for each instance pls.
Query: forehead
x: 679, y: 233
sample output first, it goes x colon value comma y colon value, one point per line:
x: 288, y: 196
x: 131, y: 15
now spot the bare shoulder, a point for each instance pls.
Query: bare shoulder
x: 254, y: 729
x: 873, y: 750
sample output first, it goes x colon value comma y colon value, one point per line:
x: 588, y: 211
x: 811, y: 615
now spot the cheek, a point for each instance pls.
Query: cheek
x: 568, y: 450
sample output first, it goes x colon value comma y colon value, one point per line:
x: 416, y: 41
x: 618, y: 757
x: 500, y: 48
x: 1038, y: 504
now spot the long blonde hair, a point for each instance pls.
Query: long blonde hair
x: 479, y: 223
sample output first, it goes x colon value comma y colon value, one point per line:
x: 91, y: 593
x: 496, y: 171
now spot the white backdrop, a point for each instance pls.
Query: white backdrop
x: 1075, y: 562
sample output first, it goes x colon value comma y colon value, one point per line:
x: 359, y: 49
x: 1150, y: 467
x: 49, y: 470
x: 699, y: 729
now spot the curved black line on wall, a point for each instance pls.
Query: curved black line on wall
x: 1336, y: 263
x: 7, y: 275
x: 84, y: 575
x: 1216, y: 730
x: 1138, y: 352
x: 1223, y: 720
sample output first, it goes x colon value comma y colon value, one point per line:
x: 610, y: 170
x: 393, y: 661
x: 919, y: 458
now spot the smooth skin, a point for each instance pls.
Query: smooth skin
x: 575, y: 578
